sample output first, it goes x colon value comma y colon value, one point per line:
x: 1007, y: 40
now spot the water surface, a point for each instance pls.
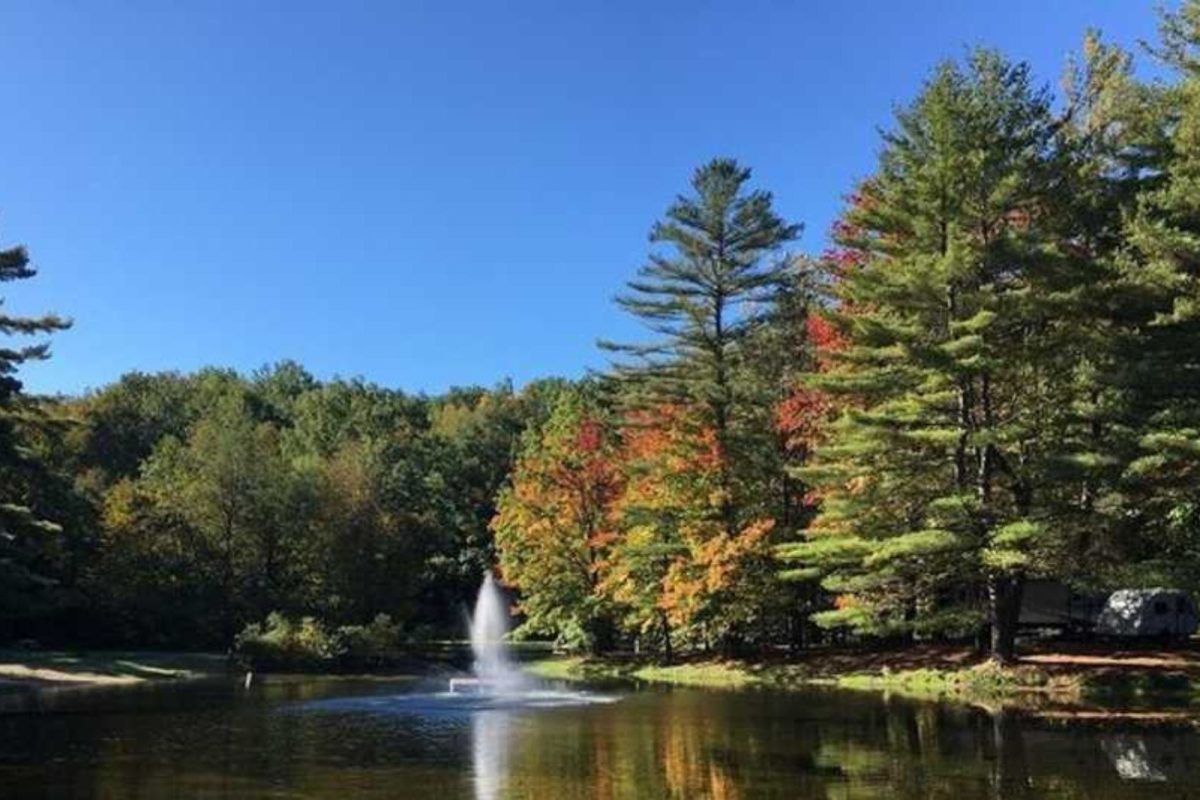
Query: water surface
x: 369, y: 739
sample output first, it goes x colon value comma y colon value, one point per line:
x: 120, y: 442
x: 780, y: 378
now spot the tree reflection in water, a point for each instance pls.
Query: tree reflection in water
x: 339, y: 739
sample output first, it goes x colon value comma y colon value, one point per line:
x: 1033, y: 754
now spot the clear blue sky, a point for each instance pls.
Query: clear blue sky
x: 427, y: 194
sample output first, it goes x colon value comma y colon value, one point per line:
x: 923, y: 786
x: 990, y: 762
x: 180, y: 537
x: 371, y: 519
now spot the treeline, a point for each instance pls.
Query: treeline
x: 172, y: 510
x: 993, y: 376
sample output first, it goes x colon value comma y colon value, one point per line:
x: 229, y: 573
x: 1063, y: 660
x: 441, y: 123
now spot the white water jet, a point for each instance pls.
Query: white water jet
x: 495, y: 672
x: 499, y: 683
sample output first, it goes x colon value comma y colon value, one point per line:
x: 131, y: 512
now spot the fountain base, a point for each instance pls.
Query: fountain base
x: 472, y: 686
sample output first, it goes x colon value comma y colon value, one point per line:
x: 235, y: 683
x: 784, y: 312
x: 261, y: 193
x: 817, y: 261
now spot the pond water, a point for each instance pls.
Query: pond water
x: 372, y: 739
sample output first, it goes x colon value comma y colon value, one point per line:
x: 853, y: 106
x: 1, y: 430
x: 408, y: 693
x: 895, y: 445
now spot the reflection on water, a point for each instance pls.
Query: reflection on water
x: 490, y: 731
x: 337, y: 739
x: 1130, y: 755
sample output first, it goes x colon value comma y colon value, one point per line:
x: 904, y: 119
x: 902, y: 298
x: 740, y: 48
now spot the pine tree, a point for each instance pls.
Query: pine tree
x: 707, y: 297
x: 1162, y: 281
x: 21, y: 527
x: 784, y: 351
x: 955, y: 467
x: 705, y: 301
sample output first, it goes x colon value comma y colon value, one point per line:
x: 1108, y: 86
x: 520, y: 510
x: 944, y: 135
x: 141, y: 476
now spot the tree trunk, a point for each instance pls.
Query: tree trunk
x: 796, y: 641
x: 602, y: 632
x: 227, y: 631
x: 1004, y: 606
x: 668, y: 656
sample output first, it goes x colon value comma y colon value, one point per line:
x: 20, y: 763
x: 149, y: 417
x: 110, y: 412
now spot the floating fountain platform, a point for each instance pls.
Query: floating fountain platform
x: 472, y: 686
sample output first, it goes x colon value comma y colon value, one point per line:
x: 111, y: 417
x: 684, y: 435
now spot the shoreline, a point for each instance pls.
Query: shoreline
x: 1066, y: 680
x: 1061, y: 677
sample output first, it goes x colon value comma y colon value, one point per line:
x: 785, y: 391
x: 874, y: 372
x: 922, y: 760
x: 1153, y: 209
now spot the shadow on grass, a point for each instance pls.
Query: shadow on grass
x: 112, y: 666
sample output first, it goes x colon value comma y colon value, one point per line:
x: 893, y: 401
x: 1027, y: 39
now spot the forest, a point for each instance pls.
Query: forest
x: 992, y: 376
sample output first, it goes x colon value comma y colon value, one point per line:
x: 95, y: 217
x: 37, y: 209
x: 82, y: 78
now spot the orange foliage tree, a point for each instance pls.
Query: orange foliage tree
x: 554, y: 523
x: 676, y: 569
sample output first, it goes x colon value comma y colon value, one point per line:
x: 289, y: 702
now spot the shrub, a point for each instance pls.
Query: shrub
x: 285, y: 644
x: 281, y: 643
x: 370, y: 645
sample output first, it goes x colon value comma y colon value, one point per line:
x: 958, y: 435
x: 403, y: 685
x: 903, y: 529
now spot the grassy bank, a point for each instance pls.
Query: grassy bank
x: 965, y: 683
x: 1073, y: 677
x: 702, y: 673
x: 110, y: 668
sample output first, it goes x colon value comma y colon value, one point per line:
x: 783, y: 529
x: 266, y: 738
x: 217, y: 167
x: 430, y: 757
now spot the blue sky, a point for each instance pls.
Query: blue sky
x: 428, y: 194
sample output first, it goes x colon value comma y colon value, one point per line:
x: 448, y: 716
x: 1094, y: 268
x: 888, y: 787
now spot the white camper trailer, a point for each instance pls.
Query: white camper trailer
x: 1138, y: 613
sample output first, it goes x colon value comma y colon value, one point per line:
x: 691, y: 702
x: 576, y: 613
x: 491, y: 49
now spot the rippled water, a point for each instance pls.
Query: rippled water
x: 369, y: 739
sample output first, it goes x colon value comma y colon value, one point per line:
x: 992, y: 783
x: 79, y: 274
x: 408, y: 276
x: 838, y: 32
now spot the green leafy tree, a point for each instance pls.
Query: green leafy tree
x: 225, y: 483
x: 373, y: 533
x: 124, y: 421
x: 475, y: 435
x: 151, y: 578
x: 279, y: 386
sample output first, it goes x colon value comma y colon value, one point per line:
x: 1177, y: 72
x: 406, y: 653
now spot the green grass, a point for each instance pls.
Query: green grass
x: 985, y: 684
x: 730, y: 674
x: 981, y: 683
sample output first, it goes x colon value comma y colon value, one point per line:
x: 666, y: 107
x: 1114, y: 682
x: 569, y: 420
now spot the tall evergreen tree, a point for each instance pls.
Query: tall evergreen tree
x: 707, y: 296
x: 1161, y: 270
x: 704, y: 298
x: 21, y: 527
x: 956, y: 465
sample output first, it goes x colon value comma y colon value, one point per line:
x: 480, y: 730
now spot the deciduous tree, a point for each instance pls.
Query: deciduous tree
x: 554, y: 523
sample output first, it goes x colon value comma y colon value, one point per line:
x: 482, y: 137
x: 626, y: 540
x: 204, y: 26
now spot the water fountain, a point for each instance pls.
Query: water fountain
x: 490, y: 700
x: 495, y: 673
x: 496, y: 684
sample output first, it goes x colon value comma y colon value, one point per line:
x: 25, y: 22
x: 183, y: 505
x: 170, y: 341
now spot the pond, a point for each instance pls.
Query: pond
x: 339, y: 738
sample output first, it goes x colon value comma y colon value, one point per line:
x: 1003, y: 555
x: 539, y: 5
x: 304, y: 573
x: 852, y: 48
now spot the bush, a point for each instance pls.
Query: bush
x: 281, y: 643
x: 370, y: 645
x: 284, y: 644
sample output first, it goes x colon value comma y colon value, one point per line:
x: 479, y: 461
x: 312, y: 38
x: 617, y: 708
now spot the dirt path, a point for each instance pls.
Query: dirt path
x: 1054, y: 657
x: 1087, y: 657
